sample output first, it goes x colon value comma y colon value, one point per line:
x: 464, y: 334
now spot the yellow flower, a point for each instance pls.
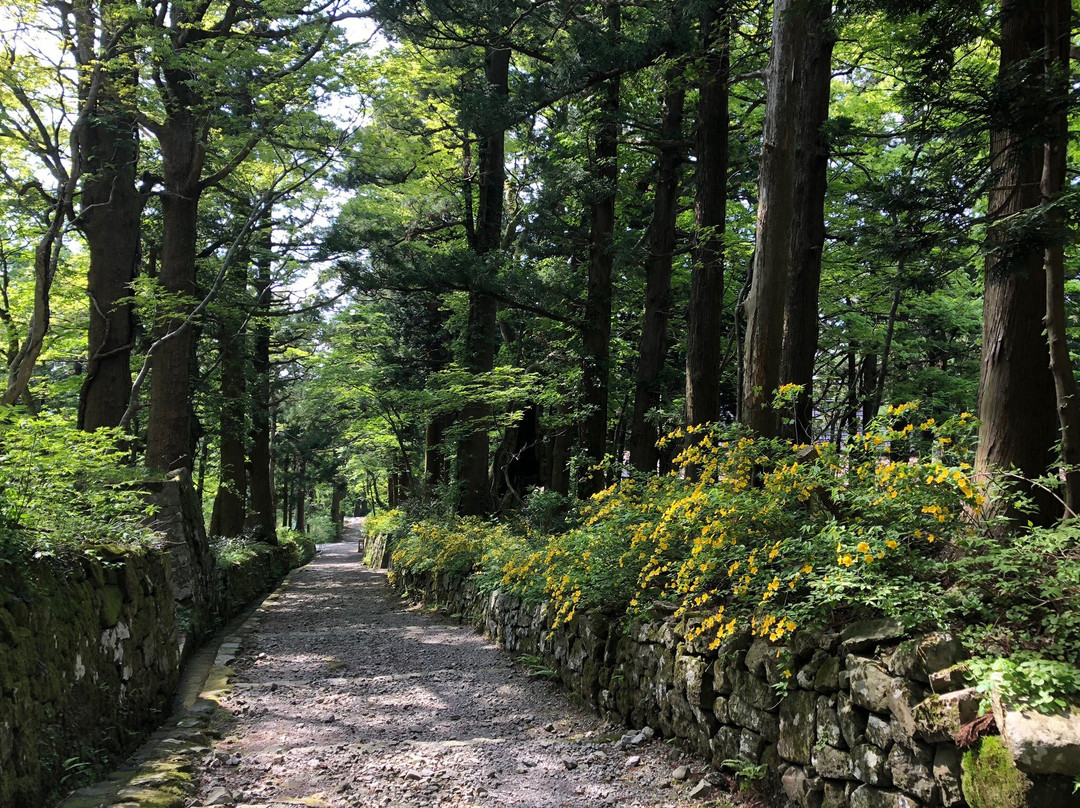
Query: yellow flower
x: 891, y: 544
x: 863, y: 547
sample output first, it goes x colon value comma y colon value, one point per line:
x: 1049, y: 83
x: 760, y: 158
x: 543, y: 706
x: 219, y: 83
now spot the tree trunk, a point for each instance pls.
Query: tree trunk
x: 336, y: 518
x: 482, y: 327
x: 110, y: 219
x: 776, y: 209
x: 434, y: 461
x: 1058, y: 31
x: 808, y: 224
x: 1018, y: 422
x: 890, y: 330
x: 704, y: 345
x: 596, y: 329
x: 261, y: 510
x: 652, y: 350
x: 168, y: 437
x: 227, y: 518
x: 300, y: 489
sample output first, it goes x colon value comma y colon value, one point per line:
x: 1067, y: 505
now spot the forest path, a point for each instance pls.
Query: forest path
x: 345, y: 696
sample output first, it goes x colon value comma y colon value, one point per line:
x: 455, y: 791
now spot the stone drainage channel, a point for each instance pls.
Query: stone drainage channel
x: 333, y: 692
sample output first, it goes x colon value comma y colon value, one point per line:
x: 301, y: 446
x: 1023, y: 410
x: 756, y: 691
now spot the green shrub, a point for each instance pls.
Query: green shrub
x: 61, y: 487
x: 768, y: 536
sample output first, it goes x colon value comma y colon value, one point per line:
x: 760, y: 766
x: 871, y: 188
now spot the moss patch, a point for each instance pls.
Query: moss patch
x: 112, y: 601
x: 991, y: 779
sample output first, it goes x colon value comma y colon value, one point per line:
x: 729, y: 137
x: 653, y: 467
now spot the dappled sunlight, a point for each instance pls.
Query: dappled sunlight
x: 346, y: 695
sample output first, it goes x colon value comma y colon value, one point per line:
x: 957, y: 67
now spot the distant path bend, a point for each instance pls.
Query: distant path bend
x: 345, y: 696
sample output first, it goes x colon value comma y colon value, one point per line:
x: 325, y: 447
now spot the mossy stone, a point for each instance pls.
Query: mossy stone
x: 112, y: 602
x: 990, y: 778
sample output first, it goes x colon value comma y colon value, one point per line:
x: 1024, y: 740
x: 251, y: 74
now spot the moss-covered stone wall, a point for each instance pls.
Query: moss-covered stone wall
x: 861, y: 718
x: 90, y: 655
x: 88, y: 663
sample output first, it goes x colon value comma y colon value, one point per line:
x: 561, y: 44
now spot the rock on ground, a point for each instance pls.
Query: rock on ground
x: 346, y: 696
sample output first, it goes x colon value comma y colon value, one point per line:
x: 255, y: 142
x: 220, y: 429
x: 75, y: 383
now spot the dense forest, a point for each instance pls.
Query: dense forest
x: 689, y: 289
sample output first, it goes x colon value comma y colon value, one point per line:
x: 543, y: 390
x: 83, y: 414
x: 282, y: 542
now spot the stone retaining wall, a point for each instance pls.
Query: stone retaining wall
x: 864, y: 718
x: 89, y: 661
x: 90, y: 656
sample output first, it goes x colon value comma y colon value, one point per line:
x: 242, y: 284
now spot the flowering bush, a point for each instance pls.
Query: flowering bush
x: 747, y: 533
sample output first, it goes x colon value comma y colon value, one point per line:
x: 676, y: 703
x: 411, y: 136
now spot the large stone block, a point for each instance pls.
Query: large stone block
x: 757, y: 655
x: 837, y: 794
x: 798, y: 721
x: 828, y: 723
x: 870, y: 797
x: 1041, y: 743
x: 904, y: 697
x: 801, y: 788
x: 827, y: 678
x: 754, y: 690
x: 920, y: 657
x: 692, y: 678
x: 869, y: 765
x: 831, y: 763
x: 751, y: 745
x: 743, y: 713
x: 852, y: 720
x: 947, y: 772
x: 939, y: 718
x: 879, y: 732
x: 869, y: 634
x: 912, y: 772
x: 870, y: 685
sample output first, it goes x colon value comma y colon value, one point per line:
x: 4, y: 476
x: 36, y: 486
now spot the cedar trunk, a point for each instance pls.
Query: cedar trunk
x: 111, y: 212
x: 261, y: 511
x: 168, y: 438
x: 808, y: 226
x: 1018, y: 422
x: 703, y: 316
x: 596, y: 328
x: 776, y: 209
x: 227, y: 518
x: 652, y: 350
x: 1058, y: 33
x: 482, y: 327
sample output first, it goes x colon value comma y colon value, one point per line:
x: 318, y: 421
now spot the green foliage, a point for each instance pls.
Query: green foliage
x: 772, y: 536
x: 61, y: 487
x: 1026, y: 680
x: 537, y: 668
x: 746, y: 771
x: 300, y: 545
x: 231, y: 551
x: 1024, y: 589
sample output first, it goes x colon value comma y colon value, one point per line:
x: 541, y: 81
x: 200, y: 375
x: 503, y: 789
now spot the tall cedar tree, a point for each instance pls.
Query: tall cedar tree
x: 776, y: 209
x: 596, y: 325
x: 1018, y: 420
x: 703, y: 317
x: 808, y: 225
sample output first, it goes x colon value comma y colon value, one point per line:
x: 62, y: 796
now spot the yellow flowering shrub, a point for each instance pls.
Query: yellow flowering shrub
x: 746, y: 533
x: 453, y: 545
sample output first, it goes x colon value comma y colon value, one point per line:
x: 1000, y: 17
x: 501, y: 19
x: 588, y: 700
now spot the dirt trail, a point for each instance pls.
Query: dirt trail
x: 343, y: 696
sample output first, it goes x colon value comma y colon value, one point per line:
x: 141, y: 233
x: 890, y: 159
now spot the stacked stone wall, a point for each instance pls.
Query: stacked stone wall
x: 90, y: 653
x: 89, y: 661
x: 861, y: 718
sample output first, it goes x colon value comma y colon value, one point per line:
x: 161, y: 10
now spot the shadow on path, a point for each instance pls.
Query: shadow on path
x: 343, y: 696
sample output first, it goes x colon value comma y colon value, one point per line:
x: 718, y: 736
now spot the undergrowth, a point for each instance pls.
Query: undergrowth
x: 766, y: 536
x: 64, y: 489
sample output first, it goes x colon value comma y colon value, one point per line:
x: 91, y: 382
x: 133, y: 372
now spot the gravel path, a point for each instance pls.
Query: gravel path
x: 344, y: 696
